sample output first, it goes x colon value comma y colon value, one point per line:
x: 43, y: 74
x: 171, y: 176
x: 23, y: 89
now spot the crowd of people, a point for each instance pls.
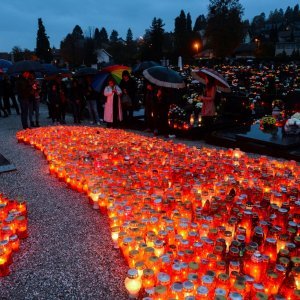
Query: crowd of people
x: 113, y: 105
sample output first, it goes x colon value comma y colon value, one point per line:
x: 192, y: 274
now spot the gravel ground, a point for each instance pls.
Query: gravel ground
x: 69, y: 253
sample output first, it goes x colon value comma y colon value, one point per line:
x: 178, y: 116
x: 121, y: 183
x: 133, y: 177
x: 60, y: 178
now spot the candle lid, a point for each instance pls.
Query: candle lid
x: 296, y: 261
x: 235, y: 296
x: 133, y: 253
x: 272, y: 275
x: 193, y: 265
x: 220, y: 297
x: 163, y: 277
x: 220, y: 292
x: 261, y: 296
x: 148, y: 273
x: 193, y: 277
x: 132, y: 273
x: 177, y: 287
x: 153, y: 259
x: 176, y: 267
x: 13, y: 238
x: 160, y: 289
x: 188, y: 285
x: 206, y: 279
x: 223, y: 277
x: 202, y: 290
x: 165, y: 258
x: 140, y: 265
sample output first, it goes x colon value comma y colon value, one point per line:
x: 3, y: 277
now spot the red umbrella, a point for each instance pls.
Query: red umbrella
x: 220, y: 81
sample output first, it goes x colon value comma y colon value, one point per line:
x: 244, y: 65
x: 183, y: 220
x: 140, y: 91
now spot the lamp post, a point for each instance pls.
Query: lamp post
x: 196, y: 46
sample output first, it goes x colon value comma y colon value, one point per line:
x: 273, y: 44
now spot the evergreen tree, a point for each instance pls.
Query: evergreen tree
x: 257, y: 23
x: 224, y: 26
x: 157, y: 38
x: 200, y: 23
x: 17, y: 53
x: 103, y: 35
x: 180, y: 34
x: 296, y: 13
x: 129, y: 36
x: 276, y: 17
x: 188, y: 23
x: 114, y: 36
x: 43, y: 50
x: 90, y: 56
x: 73, y: 47
x: 77, y: 33
x: 97, y: 39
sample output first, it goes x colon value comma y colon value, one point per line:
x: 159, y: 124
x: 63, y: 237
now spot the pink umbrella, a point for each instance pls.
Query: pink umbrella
x: 220, y: 81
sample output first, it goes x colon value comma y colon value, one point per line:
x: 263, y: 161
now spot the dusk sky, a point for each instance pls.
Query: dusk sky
x: 18, y: 22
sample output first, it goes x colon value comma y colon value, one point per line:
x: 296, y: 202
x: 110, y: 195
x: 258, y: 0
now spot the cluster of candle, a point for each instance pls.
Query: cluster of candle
x: 13, y: 227
x: 191, y: 223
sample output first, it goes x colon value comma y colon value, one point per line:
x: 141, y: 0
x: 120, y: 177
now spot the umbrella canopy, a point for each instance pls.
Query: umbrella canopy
x: 114, y: 71
x: 86, y: 71
x: 5, y: 64
x: 25, y: 66
x: 50, y: 69
x: 53, y: 73
x: 220, y: 81
x: 165, y: 77
x: 139, y: 68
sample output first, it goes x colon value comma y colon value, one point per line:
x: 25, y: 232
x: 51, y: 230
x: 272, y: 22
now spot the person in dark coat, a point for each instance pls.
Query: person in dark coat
x: 55, y: 103
x: 128, y: 99
x: 161, y: 109
x: 24, y: 91
x: 149, y: 104
x: 77, y: 99
x: 92, y: 98
x: 2, y: 107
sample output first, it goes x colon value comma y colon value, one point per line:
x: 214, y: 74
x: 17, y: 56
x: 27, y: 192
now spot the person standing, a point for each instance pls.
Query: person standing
x: 11, y: 87
x: 128, y: 99
x: 208, y: 110
x: 76, y: 98
x: 112, y: 109
x: 91, y: 99
x: 54, y: 100
x: 161, y: 109
x: 24, y: 91
x: 34, y: 107
x: 2, y: 106
x: 149, y: 104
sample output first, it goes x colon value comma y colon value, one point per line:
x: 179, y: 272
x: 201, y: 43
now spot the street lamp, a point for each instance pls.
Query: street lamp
x: 196, y: 46
x: 257, y: 42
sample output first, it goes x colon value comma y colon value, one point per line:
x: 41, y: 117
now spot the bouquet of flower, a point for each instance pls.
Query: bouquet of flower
x: 193, y: 102
x: 267, y: 122
x: 176, y: 112
x: 177, y: 117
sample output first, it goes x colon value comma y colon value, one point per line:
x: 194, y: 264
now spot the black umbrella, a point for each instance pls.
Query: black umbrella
x: 139, y: 68
x: 165, y: 77
x: 5, y: 64
x: 25, y: 66
x: 50, y: 69
x: 86, y: 71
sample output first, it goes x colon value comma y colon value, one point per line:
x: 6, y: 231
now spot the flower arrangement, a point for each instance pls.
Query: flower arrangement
x: 177, y: 117
x: 267, y: 122
x: 176, y: 112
